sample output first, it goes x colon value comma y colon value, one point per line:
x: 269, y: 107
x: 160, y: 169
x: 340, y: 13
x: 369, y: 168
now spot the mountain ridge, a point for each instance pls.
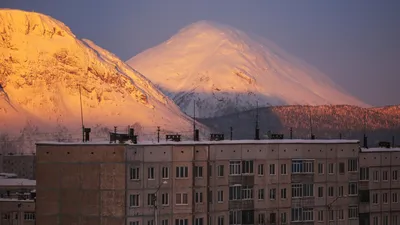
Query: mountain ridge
x: 44, y: 68
x: 213, y: 63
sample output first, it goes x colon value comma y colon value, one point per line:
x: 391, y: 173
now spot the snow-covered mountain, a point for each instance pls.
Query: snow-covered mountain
x: 43, y: 67
x: 226, y: 70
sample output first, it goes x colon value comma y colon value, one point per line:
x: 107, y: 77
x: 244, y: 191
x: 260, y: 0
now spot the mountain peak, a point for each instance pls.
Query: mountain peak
x: 226, y: 70
x: 44, y: 68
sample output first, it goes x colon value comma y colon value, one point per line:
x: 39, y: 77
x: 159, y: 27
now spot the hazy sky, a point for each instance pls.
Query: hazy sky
x: 356, y: 42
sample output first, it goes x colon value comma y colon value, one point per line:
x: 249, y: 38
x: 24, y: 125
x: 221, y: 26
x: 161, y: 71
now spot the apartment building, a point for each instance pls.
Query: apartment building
x: 379, y: 186
x: 21, y: 164
x: 199, y: 183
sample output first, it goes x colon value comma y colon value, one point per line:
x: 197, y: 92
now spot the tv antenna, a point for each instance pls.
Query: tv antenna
x: 80, y: 100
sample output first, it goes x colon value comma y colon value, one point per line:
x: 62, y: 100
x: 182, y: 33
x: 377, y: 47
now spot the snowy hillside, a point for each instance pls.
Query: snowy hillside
x: 42, y: 66
x: 226, y: 70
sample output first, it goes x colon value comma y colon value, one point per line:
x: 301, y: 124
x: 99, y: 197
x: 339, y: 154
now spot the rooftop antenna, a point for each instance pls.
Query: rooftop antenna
x: 83, y: 127
x: 257, y: 137
x: 311, y: 127
x: 194, y: 120
x: 365, y: 129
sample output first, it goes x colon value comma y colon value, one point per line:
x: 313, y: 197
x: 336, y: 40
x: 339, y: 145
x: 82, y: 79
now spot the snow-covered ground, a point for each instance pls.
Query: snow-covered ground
x: 226, y: 70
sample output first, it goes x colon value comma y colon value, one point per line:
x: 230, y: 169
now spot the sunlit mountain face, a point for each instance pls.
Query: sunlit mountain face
x: 225, y: 70
x: 44, y: 67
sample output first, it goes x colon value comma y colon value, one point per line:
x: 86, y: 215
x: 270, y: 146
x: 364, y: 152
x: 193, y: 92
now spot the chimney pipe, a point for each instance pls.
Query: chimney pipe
x: 365, y: 141
x: 393, y: 144
x: 231, y: 133
x: 340, y: 135
x: 196, y: 135
x: 158, y: 134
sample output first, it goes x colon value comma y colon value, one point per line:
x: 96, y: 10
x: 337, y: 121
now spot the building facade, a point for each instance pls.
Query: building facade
x: 184, y: 183
x: 380, y: 186
x: 21, y: 164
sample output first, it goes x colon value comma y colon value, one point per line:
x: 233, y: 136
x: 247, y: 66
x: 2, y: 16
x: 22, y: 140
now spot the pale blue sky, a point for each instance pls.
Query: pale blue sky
x: 355, y: 42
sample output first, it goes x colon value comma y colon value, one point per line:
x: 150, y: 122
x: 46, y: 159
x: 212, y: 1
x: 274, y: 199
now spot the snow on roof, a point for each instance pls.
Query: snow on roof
x: 8, y: 175
x: 17, y: 182
x: 224, y: 142
x: 15, y: 200
x: 377, y: 149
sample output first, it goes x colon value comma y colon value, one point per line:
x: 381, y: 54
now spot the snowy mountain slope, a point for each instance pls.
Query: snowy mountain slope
x: 43, y: 66
x: 226, y: 70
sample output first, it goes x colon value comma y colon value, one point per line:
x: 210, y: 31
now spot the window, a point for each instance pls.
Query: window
x: 29, y: 216
x: 283, y: 169
x: 352, y: 165
x: 331, y: 168
x: 340, y: 191
x: 353, y: 212
x: 151, y: 199
x: 302, y: 190
x: 134, y: 173
x: 198, y: 171
x: 375, y: 220
x: 164, y: 222
x: 375, y: 198
x: 181, y: 222
x: 283, y: 218
x: 320, y: 215
x: 394, y: 197
x: 261, y: 219
x: 376, y: 176
x: 198, y: 197
x: 260, y: 194
x: 247, y: 193
x: 134, y: 223
x: 150, y: 173
x: 385, y: 198
x: 272, y: 218
x: 182, y: 172
x: 220, y: 196
x: 394, y: 175
x: 181, y: 198
x: 341, y: 168
x: 272, y: 193
x: 385, y: 175
x: 235, y: 193
x: 221, y: 220
x: 364, y: 173
x: 340, y: 214
x: 302, y: 166
x: 394, y: 220
x: 272, y: 169
x: 247, y: 167
x: 234, y: 168
x: 165, y: 173
x: 134, y: 200
x: 150, y: 222
x: 330, y: 192
x: 210, y: 170
x: 302, y: 214
x: 260, y: 169
x: 330, y: 215
x: 165, y: 199
x: 210, y: 196
x: 320, y: 168
x: 385, y: 220
x: 353, y: 188
x: 199, y: 221
x: 235, y: 217
x: 283, y: 193
x: 320, y: 192
x: 220, y: 170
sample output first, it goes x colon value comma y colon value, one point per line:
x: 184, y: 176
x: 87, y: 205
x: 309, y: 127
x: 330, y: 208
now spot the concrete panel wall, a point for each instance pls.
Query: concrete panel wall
x: 81, y: 184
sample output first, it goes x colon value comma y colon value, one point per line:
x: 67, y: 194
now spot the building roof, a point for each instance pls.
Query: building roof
x: 15, y: 200
x: 376, y: 149
x: 224, y: 142
x: 15, y: 182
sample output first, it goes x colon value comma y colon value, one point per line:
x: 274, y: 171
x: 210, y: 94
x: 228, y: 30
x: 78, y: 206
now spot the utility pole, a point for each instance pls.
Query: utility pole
x: 154, y: 202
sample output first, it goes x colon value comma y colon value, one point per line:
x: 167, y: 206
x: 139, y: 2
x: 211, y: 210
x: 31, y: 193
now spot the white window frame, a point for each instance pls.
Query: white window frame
x: 182, y: 172
x: 272, y: 169
x: 134, y: 200
x: 331, y: 168
x: 394, y: 175
x: 247, y: 193
x: 320, y: 168
x: 248, y: 167
x: 261, y: 194
x: 134, y: 173
x: 283, y: 193
x: 235, y: 192
x: 283, y: 169
x: 272, y: 194
x: 385, y: 199
x: 220, y: 196
x: 235, y: 168
x: 150, y: 173
x: 165, y: 199
x: 260, y: 169
x: 198, y: 197
x: 353, y: 212
x: 220, y: 171
x: 355, y: 184
x: 320, y: 216
x: 198, y: 171
x: 352, y: 165
x: 395, y: 197
x: 375, y: 198
x: 364, y: 174
x: 181, y: 197
x: 385, y: 175
x: 165, y: 173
